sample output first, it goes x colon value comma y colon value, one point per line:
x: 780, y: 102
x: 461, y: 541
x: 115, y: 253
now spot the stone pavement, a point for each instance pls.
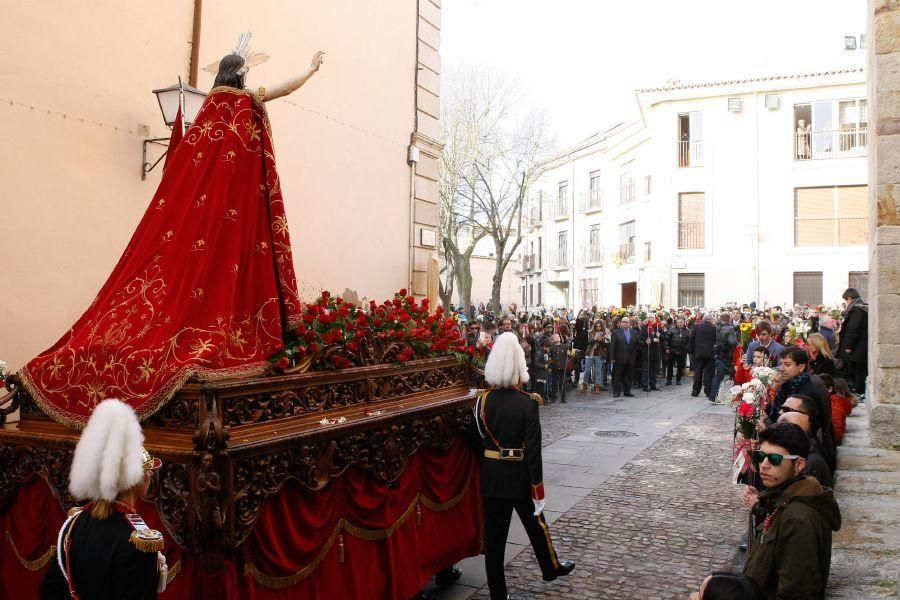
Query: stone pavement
x: 638, y: 494
x: 865, y: 561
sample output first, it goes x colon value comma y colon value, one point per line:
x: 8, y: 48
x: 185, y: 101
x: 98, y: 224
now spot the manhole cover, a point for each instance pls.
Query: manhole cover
x: 615, y: 434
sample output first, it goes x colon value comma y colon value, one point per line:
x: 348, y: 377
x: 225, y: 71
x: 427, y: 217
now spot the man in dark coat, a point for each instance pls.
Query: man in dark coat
x: 854, y: 341
x: 650, y: 341
x: 702, y: 345
x: 728, y: 338
x: 622, y: 347
x: 802, y: 411
x: 677, y: 345
x: 794, y: 516
x: 508, y: 425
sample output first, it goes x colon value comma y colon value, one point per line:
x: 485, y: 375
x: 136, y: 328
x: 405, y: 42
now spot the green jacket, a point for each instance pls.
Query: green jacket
x: 791, y: 557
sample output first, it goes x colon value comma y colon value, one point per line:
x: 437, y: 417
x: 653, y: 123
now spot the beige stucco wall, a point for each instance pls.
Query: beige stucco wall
x: 72, y: 188
x: 483, y: 280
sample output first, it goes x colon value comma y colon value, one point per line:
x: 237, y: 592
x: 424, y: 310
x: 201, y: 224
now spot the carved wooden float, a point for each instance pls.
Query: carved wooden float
x: 227, y: 445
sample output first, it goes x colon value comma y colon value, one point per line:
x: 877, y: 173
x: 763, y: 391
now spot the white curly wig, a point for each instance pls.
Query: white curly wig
x: 506, y: 363
x: 108, y: 458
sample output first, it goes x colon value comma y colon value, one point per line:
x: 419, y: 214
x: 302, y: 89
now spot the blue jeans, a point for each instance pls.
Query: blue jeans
x: 723, y: 368
x: 593, y: 370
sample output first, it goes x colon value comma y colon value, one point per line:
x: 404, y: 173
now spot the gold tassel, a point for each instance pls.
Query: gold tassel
x: 341, y: 548
x: 147, y: 544
x: 419, y: 515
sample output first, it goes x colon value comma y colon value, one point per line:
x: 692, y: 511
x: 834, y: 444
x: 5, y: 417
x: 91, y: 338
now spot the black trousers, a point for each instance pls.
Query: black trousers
x: 856, y: 376
x: 704, y: 369
x: 675, y: 362
x: 621, y: 377
x: 497, y: 515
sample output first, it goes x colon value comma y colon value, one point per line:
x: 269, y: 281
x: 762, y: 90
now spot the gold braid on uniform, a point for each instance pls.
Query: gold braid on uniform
x: 147, y: 540
x: 537, y: 398
x: 35, y: 564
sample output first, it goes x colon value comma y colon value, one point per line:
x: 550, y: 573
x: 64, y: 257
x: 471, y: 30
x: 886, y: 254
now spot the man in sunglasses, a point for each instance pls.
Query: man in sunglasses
x: 795, y: 515
x: 801, y: 411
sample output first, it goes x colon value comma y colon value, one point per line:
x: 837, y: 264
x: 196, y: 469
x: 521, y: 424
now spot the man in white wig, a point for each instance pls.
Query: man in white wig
x: 104, y: 549
x: 509, y: 424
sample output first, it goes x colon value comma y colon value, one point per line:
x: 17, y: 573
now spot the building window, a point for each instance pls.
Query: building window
x: 524, y: 298
x: 831, y: 216
x: 539, y: 293
x: 831, y: 129
x: 536, y: 211
x: 626, y: 242
x: 690, y: 139
x: 593, y: 255
x: 808, y: 288
x: 540, y: 260
x: 562, y: 200
x: 859, y: 280
x: 561, y: 254
x: 593, y: 199
x: 530, y: 294
x: 590, y: 292
x: 691, y: 289
x: 647, y: 185
x: 626, y: 188
x: 647, y: 249
x: 692, y: 221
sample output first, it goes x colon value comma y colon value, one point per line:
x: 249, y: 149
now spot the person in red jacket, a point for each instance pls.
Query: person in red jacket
x: 843, y: 400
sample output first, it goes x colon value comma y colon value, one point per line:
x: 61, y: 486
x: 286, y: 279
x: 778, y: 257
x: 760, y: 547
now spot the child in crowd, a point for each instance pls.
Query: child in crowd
x: 843, y: 400
x: 743, y: 373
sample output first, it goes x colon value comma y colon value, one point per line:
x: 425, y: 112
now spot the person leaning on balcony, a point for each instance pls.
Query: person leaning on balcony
x: 508, y: 425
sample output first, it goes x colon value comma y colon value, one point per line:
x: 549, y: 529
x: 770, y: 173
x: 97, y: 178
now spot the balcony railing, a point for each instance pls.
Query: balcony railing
x: 625, y: 253
x: 560, y: 259
x: 591, y: 201
x: 561, y: 208
x: 691, y: 235
x: 846, y: 231
x: 690, y: 153
x: 832, y: 143
x: 593, y: 255
x: 535, y: 216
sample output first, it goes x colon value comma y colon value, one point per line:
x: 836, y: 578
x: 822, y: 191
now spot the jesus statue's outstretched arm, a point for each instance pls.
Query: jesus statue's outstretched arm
x: 293, y: 84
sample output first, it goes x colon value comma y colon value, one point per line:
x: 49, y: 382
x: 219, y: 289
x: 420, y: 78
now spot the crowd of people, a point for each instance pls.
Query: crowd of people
x: 817, y: 359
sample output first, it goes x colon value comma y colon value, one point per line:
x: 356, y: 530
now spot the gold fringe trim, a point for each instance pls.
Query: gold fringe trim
x: 173, y: 572
x: 278, y: 583
x: 537, y: 398
x: 155, y: 544
x: 36, y: 564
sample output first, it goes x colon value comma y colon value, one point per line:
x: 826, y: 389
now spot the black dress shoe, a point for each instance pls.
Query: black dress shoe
x: 616, y: 395
x: 668, y: 383
x: 654, y: 388
x: 565, y: 567
x: 447, y: 576
x: 646, y: 388
x: 695, y: 394
x: 677, y: 383
x: 629, y: 395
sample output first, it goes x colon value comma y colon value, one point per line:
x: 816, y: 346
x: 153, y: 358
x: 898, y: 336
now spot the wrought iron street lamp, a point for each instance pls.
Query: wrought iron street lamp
x: 178, y: 96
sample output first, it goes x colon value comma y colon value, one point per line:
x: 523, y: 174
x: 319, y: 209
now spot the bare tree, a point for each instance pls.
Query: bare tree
x: 496, y: 145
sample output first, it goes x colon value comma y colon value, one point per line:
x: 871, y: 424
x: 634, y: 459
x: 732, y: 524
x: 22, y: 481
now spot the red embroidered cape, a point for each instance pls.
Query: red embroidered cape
x: 206, y: 285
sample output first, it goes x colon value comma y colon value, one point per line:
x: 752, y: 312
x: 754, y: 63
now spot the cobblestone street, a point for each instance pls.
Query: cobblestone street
x: 638, y: 495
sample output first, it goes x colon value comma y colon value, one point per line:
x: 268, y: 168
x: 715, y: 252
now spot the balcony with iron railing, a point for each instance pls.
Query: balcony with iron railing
x: 592, y: 255
x: 690, y: 153
x: 560, y: 208
x: 590, y: 201
x: 625, y: 253
x: 560, y: 259
x: 535, y: 216
x: 843, y: 231
x: 691, y: 235
x: 849, y: 142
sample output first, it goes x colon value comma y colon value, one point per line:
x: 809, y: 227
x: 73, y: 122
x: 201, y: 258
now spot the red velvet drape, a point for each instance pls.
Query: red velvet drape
x: 395, y: 537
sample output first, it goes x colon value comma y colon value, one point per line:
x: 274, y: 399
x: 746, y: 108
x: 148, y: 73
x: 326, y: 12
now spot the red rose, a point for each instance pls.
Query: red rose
x: 325, y: 296
x: 377, y: 322
x: 314, y: 347
x: 403, y: 292
x: 352, y: 346
x: 372, y: 305
x: 410, y: 300
x: 301, y: 350
x: 301, y: 330
x: 425, y: 303
x: 310, y: 335
x: 439, y: 310
x: 283, y: 363
x: 404, y: 317
x: 380, y: 312
x: 309, y: 318
x: 361, y: 319
x: 397, y: 302
x: 360, y: 334
x: 338, y: 301
x: 2, y: 384
x: 746, y: 410
x: 344, y: 311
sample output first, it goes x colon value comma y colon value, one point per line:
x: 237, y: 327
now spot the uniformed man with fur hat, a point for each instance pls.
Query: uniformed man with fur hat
x: 509, y: 425
x: 104, y: 549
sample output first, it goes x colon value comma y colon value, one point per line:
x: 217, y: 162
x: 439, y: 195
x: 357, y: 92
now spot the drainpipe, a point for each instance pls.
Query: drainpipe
x: 412, y: 168
x: 195, y: 43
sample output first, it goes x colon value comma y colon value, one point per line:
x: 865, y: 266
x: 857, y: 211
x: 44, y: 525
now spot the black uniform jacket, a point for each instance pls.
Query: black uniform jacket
x: 103, y: 563
x: 512, y: 418
x: 702, y: 342
x: 620, y: 351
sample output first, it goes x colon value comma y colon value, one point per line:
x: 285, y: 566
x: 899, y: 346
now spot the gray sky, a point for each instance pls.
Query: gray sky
x: 582, y: 59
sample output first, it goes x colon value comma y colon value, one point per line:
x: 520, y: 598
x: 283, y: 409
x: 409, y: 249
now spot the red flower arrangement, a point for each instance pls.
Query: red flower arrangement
x: 336, y: 334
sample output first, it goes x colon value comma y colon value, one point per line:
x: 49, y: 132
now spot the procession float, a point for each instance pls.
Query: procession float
x: 311, y: 449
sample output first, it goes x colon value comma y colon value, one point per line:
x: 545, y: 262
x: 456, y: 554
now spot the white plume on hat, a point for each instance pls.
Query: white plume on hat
x: 506, y: 363
x: 108, y: 458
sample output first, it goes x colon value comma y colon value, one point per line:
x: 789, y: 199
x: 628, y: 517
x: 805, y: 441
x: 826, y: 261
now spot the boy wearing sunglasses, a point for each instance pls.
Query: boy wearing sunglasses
x: 791, y: 553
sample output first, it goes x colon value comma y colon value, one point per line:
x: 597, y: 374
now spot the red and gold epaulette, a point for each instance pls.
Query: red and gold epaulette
x: 144, y: 538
